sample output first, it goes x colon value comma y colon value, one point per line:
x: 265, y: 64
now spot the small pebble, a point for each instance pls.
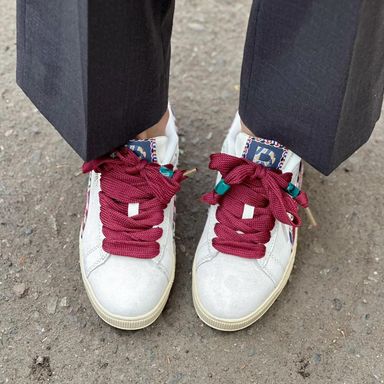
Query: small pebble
x: 20, y: 290
x: 337, y: 304
x: 63, y: 302
x: 28, y: 231
x: 196, y: 27
x: 317, y: 358
x: 252, y: 352
x: 51, y: 305
x: 35, y: 130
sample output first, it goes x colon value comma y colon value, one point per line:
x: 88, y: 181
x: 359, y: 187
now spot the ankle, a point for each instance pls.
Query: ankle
x: 246, y: 130
x: 156, y: 130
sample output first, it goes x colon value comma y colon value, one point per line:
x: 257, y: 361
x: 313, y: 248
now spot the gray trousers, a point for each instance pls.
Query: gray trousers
x: 312, y: 75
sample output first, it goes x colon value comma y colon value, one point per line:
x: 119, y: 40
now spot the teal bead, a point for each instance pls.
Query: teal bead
x: 222, y: 187
x: 293, y: 190
x: 166, y: 172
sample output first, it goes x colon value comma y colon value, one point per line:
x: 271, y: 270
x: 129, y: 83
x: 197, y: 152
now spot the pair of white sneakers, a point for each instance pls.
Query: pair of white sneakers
x: 245, y: 254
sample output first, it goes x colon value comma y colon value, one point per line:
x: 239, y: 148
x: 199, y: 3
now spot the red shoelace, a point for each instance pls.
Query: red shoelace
x: 269, y: 191
x: 127, y: 179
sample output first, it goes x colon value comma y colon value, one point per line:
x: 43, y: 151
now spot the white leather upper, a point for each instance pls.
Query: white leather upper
x: 232, y: 287
x: 129, y: 286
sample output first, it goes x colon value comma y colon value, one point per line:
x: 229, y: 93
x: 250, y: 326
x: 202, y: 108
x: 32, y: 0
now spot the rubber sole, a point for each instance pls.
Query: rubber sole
x: 127, y: 323
x: 231, y: 325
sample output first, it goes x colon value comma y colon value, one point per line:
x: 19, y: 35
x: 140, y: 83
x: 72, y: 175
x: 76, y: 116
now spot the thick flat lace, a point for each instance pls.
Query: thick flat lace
x: 270, y: 193
x: 127, y: 179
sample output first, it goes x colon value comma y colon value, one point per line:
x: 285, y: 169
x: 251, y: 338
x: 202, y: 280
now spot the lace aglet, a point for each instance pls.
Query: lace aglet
x: 190, y: 172
x: 310, y: 216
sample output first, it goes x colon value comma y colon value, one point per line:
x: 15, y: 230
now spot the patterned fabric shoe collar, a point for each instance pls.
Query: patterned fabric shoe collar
x: 268, y: 153
x: 152, y: 150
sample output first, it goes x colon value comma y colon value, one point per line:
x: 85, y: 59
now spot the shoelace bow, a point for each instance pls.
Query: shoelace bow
x: 127, y: 179
x: 269, y: 191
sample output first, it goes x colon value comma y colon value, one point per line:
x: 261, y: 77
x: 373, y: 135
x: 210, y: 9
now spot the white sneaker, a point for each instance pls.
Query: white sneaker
x: 127, y: 250
x: 247, y: 249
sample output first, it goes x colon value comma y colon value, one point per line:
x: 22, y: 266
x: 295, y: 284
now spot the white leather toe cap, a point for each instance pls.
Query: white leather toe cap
x: 128, y: 287
x: 229, y: 287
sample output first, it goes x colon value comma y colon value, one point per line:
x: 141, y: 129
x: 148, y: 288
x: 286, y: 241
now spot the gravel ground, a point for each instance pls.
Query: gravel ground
x: 326, y: 327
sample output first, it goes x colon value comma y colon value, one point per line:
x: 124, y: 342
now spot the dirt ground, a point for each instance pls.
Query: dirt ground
x: 326, y: 327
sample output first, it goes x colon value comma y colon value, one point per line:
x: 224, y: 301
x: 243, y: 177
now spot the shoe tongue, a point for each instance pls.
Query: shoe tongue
x: 269, y: 153
x: 152, y: 150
